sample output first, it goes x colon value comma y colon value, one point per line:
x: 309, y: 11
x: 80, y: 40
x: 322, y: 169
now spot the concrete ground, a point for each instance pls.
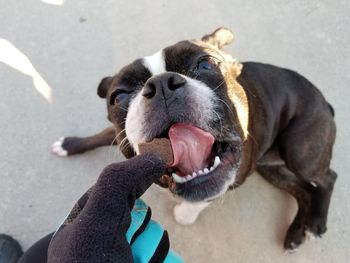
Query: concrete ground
x: 52, y: 58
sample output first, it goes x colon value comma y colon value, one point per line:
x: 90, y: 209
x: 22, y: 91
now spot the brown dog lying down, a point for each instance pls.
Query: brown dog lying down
x: 224, y: 120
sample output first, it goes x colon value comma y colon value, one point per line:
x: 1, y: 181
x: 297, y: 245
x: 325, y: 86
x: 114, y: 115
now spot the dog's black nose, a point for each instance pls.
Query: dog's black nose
x: 164, y: 84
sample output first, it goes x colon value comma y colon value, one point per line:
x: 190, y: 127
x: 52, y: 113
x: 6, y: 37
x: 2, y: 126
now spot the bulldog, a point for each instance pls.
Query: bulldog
x: 225, y: 120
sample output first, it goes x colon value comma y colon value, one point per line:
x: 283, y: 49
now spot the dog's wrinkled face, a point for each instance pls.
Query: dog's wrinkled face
x: 182, y: 93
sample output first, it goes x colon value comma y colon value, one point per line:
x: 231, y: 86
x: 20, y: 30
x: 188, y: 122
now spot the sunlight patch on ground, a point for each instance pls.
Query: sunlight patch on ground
x: 53, y: 2
x: 11, y: 56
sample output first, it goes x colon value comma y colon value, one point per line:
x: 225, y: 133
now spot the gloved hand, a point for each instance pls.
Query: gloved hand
x: 102, y: 227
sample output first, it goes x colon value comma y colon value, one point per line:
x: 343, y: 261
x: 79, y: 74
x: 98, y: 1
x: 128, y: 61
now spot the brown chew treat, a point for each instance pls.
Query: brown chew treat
x: 160, y: 147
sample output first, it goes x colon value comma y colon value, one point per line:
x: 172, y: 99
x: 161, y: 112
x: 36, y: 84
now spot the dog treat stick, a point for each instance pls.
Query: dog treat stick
x: 160, y: 147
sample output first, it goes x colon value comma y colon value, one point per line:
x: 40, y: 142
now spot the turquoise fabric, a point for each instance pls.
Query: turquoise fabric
x: 144, y: 246
x: 138, y: 215
x: 147, y: 242
x: 172, y: 257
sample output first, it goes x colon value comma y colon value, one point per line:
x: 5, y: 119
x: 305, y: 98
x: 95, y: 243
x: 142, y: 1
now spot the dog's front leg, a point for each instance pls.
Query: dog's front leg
x: 74, y: 145
x: 186, y: 213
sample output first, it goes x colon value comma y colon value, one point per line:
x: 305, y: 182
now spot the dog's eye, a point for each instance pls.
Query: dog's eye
x: 118, y: 97
x: 207, y: 63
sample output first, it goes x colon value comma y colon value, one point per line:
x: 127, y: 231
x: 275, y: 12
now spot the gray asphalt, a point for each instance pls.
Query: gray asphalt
x: 72, y: 46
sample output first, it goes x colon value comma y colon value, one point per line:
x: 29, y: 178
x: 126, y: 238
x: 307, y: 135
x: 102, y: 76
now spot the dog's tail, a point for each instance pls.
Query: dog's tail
x: 331, y: 109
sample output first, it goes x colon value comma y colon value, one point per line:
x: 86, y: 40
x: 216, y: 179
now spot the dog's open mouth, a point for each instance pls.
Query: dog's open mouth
x: 191, y: 149
x: 197, y: 156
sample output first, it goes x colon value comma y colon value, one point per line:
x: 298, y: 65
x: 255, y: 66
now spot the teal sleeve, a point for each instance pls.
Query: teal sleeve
x: 140, y: 216
x: 148, y: 240
x: 146, y: 244
x: 172, y: 257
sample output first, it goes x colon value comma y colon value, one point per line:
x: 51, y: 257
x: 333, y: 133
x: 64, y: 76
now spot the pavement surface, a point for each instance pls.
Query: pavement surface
x: 53, y: 54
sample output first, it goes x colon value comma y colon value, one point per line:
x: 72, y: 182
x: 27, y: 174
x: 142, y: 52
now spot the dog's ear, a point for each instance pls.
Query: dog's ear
x: 104, y: 86
x: 219, y: 38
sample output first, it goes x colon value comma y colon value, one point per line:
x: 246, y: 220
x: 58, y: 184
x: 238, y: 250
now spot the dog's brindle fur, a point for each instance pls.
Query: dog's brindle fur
x: 291, y: 135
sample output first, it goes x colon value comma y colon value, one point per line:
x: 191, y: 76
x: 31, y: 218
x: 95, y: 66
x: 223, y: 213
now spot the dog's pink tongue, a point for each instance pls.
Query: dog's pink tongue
x: 191, y: 147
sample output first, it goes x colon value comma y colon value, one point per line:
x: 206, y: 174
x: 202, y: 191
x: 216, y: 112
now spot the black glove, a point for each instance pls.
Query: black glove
x: 95, y: 231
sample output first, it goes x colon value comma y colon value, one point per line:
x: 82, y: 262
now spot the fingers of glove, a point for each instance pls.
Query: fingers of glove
x: 140, y: 167
x: 152, y: 245
x: 134, y: 175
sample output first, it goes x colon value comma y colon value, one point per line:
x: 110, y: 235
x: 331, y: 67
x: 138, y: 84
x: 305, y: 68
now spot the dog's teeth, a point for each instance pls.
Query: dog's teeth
x: 188, y: 177
x: 194, y: 174
x: 206, y: 170
x: 216, y: 161
x: 200, y: 172
x: 178, y: 179
x: 211, y: 168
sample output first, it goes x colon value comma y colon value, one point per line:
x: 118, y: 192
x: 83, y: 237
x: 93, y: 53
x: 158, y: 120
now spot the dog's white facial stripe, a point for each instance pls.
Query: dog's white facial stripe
x: 134, y: 122
x: 135, y: 117
x: 155, y: 63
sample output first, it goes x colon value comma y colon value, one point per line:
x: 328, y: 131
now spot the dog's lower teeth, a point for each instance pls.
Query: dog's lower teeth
x: 183, y: 179
x: 178, y: 179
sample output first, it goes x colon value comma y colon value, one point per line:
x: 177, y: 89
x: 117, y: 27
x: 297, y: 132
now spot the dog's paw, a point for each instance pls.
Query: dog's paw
x: 310, y: 236
x: 187, y: 213
x: 292, y: 250
x: 58, y: 149
x: 295, y: 237
x: 69, y: 146
x: 317, y: 227
x: 183, y: 216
